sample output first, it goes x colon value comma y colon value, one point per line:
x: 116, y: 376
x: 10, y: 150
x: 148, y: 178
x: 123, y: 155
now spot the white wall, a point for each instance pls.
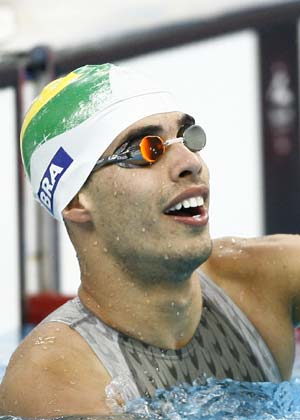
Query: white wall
x: 217, y: 82
x: 9, y: 284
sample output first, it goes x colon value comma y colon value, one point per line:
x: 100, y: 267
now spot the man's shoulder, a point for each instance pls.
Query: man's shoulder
x: 53, y: 360
x: 252, y: 256
x: 267, y: 266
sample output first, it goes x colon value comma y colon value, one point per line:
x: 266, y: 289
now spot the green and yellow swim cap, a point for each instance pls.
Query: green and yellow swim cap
x: 73, y: 121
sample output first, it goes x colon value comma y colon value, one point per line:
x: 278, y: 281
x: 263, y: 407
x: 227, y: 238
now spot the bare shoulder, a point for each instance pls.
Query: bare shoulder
x: 54, y: 372
x: 266, y: 254
x: 268, y: 264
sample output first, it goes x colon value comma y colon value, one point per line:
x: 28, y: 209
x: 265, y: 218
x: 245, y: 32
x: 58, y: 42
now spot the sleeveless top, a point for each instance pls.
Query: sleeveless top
x: 225, y: 345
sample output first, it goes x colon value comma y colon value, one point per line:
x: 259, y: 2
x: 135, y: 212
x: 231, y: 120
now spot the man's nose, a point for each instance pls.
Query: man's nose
x: 183, y: 162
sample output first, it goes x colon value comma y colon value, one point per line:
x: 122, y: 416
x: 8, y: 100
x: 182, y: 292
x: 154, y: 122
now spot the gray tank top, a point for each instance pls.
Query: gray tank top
x: 225, y: 345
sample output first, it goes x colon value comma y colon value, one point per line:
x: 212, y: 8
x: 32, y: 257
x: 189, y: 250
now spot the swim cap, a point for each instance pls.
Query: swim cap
x: 73, y: 121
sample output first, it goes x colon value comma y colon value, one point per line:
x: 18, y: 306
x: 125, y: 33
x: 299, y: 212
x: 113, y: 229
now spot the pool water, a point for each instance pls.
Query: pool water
x: 223, y: 400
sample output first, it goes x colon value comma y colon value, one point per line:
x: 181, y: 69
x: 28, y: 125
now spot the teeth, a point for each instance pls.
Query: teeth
x: 187, y: 203
x: 200, y: 201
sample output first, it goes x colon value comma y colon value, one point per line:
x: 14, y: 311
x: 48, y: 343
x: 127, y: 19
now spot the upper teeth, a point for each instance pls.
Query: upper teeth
x: 189, y: 202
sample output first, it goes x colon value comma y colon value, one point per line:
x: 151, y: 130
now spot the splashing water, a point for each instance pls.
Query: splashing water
x: 222, y: 400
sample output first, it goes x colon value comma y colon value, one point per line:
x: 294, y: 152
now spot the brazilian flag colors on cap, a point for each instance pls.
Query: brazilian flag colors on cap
x: 73, y: 121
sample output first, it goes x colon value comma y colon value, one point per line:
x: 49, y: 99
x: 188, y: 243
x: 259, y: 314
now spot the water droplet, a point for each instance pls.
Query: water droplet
x: 143, y: 230
x: 177, y: 313
x: 221, y: 246
x: 115, y: 193
x: 117, y: 238
x: 95, y: 243
x: 173, y: 304
x: 105, y: 250
x: 233, y: 240
x: 166, y: 257
x: 169, y: 245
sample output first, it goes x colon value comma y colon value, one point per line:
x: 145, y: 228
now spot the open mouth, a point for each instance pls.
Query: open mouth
x: 190, y: 208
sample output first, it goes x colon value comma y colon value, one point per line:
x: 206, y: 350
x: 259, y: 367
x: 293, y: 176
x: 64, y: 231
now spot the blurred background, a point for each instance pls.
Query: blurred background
x: 232, y: 65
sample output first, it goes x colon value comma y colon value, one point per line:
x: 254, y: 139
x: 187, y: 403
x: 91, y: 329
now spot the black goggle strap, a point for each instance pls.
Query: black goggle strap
x: 120, y: 155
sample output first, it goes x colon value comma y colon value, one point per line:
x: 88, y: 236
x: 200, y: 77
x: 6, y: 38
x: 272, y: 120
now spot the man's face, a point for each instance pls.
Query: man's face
x: 130, y: 207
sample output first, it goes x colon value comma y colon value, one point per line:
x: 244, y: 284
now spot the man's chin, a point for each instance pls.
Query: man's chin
x: 189, y: 258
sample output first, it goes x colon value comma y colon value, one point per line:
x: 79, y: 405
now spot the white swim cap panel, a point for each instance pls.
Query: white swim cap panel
x: 74, y: 121
x: 87, y: 142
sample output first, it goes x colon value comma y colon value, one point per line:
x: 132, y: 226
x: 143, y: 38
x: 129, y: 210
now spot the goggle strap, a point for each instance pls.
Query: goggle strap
x: 173, y: 141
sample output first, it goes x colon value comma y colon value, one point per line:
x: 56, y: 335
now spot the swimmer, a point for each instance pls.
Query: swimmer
x: 160, y: 303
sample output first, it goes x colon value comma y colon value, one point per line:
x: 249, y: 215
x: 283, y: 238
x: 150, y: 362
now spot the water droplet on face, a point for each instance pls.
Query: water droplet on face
x: 221, y: 246
x: 105, y: 250
x: 95, y: 243
x: 233, y: 240
x: 143, y: 230
x: 117, y: 238
x: 177, y: 313
x: 166, y: 257
x: 173, y: 304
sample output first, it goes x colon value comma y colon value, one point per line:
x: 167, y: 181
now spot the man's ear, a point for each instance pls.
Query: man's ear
x: 76, y: 212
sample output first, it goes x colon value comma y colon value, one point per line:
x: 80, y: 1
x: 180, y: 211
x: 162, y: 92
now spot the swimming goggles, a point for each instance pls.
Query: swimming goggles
x: 149, y: 149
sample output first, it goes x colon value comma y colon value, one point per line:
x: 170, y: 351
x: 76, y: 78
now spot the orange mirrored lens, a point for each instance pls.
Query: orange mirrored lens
x: 151, y: 148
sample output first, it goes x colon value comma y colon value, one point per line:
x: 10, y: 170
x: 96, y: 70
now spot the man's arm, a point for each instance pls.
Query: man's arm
x: 54, y: 373
x: 269, y: 263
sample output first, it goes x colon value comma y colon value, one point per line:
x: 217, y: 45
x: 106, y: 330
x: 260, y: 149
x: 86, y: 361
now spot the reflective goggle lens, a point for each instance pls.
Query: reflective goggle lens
x: 152, y: 148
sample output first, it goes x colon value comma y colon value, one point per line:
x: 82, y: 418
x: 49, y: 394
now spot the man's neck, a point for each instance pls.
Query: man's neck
x: 165, y: 315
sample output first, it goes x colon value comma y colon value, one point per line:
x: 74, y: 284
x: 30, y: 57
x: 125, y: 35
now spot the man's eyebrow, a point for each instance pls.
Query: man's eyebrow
x: 154, y: 129
x: 142, y: 132
x: 186, y: 119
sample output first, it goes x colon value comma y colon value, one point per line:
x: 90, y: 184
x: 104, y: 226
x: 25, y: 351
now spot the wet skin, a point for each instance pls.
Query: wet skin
x: 138, y: 271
